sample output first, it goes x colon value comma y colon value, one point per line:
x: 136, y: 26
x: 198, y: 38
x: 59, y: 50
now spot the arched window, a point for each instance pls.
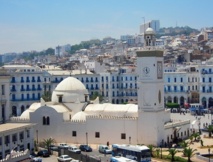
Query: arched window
x: 48, y: 120
x: 44, y: 120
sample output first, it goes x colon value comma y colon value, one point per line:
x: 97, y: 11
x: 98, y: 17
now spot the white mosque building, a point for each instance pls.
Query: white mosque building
x: 70, y: 117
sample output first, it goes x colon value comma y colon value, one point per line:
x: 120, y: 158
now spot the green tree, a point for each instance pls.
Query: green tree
x: 184, y: 144
x: 172, y: 152
x: 172, y: 105
x: 151, y: 148
x: 48, y: 142
x: 95, y: 95
x: 47, y: 96
x: 189, y: 152
x: 210, y: 129
x: 195, y: 136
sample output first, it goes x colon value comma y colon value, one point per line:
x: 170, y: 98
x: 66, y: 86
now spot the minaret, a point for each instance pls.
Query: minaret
x: 150, y: 92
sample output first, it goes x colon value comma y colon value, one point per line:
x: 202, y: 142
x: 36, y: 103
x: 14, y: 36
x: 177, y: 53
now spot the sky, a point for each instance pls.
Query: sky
x: 27, y: 25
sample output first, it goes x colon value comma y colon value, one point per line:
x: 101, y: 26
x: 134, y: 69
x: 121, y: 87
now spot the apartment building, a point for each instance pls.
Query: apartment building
x: 26, y: 86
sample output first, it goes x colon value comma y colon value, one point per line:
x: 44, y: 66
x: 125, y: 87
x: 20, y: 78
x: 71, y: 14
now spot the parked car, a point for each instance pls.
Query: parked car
x: 63, y: 145
x: 74, y: 149
x: 53, y: 148
x: 85, y: 148
x: 65, y: 158
x: 43, y: 153
x: 104, y: 149
x: 35, y: 159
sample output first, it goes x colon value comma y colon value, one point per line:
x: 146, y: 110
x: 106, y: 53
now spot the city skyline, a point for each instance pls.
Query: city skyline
x: 38, y: 25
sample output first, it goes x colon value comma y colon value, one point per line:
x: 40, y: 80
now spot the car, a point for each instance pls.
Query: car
x: 63, y: 145
x: 64, y: 158
x: 53, y: 148
x: 74, y: 149
x: 43, y: 153
x: 104, y: 149
x: 35, y: 159
x: 86, y: 148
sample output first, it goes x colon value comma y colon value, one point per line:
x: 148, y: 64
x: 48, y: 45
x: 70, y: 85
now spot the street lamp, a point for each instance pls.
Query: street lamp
x: 37, y: 137
x: 86, y: 138
x: 209, y: 153
x: 129, y: 140
x: 199, y: 125
x: 161, y: 146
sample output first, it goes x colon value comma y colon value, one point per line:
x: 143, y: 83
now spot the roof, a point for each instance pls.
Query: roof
x: 128, y: 110
x: 14, y: 126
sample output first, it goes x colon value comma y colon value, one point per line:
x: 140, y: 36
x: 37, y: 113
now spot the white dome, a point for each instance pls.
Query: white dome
x: 149, y: 31
x: 71, y: 90
x: 80, y: 116
x: 69, y: 84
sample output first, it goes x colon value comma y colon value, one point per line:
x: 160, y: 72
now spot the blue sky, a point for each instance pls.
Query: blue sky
x: 27, y: 25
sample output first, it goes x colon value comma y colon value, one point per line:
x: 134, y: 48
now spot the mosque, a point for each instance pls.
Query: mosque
x: 71, y: 117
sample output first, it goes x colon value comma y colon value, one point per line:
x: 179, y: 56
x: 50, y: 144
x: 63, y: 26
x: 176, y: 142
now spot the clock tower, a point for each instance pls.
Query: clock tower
x: 150, y: 91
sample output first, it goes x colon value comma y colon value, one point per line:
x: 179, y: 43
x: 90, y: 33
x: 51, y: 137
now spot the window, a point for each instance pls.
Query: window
x: 28, y: 133
x: 48, y: 120
x: 59, y: 99
x: 7, y: 139
x: 123, y: 136
x: 97, y: 134
x: 203, y: 80
x: 74, y: 133
x: 174, y: 79
x: 0, y: 141
x: 14, y: 137
x: 181, y: 79
x: 21, y: 135
x: 44, y: 120
x: 168, y: 80
x: 2, y: 90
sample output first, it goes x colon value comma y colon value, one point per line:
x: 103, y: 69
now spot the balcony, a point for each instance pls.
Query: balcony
x: 13, y: 81
x: 13, y: 90
x: 39, y: 80
x: 22, y: 89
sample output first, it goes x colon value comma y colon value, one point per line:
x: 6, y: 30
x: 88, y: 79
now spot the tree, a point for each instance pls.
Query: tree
x: 47, y: 96
x: 172, y: 152
x: 210, y: 129
x: 48, y: 142
x: 95, y: 95
x: 195, y: 136
x: 151, y: 148
x: 172, y: 105
x: 184, y: 144
x: 189, y: 152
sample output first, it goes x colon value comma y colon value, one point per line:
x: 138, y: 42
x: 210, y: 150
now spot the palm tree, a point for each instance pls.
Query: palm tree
x: 210, y: 129
x: 189, y: 152
x: 195, y: 135
x: 48, y: 142
x: 184, y: 144
x: 151, y: 148
x: 172, y: 152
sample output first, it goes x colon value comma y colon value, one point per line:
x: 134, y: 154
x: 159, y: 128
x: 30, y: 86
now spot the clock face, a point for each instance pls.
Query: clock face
x: 159, y: 70
x: 146, y: 70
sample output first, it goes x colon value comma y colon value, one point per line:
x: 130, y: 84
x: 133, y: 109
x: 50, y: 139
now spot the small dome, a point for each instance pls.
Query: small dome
x: 149, y: 31
x: 70, y: 84
x: 80, y: 116
x: 70, y: 90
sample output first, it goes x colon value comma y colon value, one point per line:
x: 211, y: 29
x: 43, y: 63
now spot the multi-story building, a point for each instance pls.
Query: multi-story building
x: 13, y: 136
x: 26, y: 86
x: 5, y: 110
x: 154, y: 24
